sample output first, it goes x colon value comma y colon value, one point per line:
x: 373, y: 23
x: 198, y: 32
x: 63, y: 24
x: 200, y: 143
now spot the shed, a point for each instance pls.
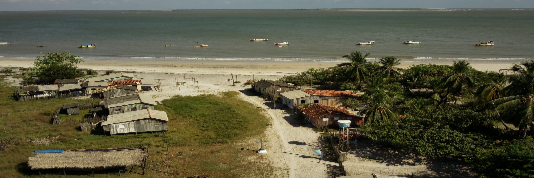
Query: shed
x: 294, y: 98
x: 316, y: 112
x: 67, y: 81
x: 136, y: 121
x: 86, y: 159
x: 127, y: 103
x: 268, y: 87
x: 110, y: 77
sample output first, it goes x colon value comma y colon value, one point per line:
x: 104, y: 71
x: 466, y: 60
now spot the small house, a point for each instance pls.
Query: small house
x: 294, y: 98
x: 270, y: 87
x: 136, y: 122
x: 127, y: 103
x: 327, y: 116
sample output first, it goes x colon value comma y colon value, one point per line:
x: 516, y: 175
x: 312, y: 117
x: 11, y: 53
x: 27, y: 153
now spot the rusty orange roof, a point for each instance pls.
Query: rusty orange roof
x: 330, y: 93
x: 124, y: 82
x: 320, y: 111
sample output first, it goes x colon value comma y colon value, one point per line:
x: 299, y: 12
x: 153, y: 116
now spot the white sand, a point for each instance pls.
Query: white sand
x: 290, y: 141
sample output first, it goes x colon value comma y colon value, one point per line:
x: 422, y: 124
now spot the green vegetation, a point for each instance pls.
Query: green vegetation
x: 54, y: 66
x: 201, y: 140
x: 455, y: 111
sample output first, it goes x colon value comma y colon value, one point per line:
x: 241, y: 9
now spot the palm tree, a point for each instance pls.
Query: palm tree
x: 518, y: 106
x: 388, y: 66
x: 379, y: 103
x: 493, y: 89
x: 356, y: 67
x: 460, y: 81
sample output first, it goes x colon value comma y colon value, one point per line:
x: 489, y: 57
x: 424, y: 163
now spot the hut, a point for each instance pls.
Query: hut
x: 136, y: 121
x: 315, y: 114
x: 269, y: 87
x: 93, y: 159
x: 67, y: 81
x: 110, y: 77
x: 127, y: 103
x: 294, y: 98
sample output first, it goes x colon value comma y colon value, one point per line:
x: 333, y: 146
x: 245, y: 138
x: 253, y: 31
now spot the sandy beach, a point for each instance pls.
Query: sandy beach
x: 290, y: 141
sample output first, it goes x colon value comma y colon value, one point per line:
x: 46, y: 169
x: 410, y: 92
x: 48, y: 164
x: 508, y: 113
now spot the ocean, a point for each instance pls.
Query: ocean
x: 313, y: 34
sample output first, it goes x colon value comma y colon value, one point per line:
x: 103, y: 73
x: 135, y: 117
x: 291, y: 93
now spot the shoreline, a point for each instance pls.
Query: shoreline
x: 233, y: 66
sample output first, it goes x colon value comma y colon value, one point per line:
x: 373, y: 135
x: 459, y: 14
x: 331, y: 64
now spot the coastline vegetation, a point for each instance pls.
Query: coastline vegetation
x: 441, y: 111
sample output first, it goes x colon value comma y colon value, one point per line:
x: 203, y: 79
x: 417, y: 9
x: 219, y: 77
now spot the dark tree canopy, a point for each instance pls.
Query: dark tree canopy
x: 54, y: 66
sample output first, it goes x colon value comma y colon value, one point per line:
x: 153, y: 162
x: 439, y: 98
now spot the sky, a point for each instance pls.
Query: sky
x: 37, y: 5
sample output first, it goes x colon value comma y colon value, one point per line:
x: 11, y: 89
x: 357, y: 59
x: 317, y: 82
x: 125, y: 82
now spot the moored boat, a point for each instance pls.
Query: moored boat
x: 489, y: 43
x: 201, y: 46
x: 281, y: 43
x: 87, y: 46
x: 412, y: 42
x: 5, y: 43
x: 259, y: 39
x: 366, y: 43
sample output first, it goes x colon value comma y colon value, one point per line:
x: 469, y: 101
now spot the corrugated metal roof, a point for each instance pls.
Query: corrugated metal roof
x: 294, y: 94
x: 147, y: 99
x: 122, y: 100
x: 47, y: 88
x: 65, y: 87
x: 136, y: 115
x: 107, y: 77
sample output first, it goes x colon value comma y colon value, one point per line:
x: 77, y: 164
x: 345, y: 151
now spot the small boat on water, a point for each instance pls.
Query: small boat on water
x: 41, y: 46
x: 259, y: 39
x: 167, y: 45
x: 282, y: 43
x: 366, y: 43
x: 201, y: 46
x: 5, y: 43
x: 412, y: 42
x: 489, y: 43
x: 87, y: 46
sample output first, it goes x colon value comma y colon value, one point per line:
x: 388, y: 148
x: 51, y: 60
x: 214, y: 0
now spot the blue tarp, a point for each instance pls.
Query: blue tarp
x: 48, y: 151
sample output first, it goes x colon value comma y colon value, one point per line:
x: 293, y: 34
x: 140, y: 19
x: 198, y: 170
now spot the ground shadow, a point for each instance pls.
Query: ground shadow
x: 26, y: 170
x: 384, y: 153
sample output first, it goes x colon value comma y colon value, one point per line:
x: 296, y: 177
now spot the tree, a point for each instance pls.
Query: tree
x: 54, y: 66
x: 388, y: 66
x: 518, y: 105
x: 356, y: 68
x: 459, y: 82
x: 379, y: 103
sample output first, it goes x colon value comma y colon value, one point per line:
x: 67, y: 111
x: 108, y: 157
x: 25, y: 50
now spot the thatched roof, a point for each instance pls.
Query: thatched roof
x: 87, y: 159
x: 136, y: 115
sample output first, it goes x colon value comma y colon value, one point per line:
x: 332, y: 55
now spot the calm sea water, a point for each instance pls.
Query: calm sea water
x: 445, y: 34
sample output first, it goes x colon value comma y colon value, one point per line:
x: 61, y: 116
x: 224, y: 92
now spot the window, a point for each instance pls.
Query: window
x: 302, y: 101
x: 315, y: 101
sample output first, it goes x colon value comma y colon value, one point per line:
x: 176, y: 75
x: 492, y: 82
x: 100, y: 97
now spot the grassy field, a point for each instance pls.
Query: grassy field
x: 208, y: 135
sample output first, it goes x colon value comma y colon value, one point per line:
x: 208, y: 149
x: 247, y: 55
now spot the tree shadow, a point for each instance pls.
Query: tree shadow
x: 384, y: 153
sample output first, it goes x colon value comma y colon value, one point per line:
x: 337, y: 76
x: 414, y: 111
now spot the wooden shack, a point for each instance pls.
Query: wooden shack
x: 127, y: 103
x: 88, y: 159
x: 270, y: 87
x: 136, y: 122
